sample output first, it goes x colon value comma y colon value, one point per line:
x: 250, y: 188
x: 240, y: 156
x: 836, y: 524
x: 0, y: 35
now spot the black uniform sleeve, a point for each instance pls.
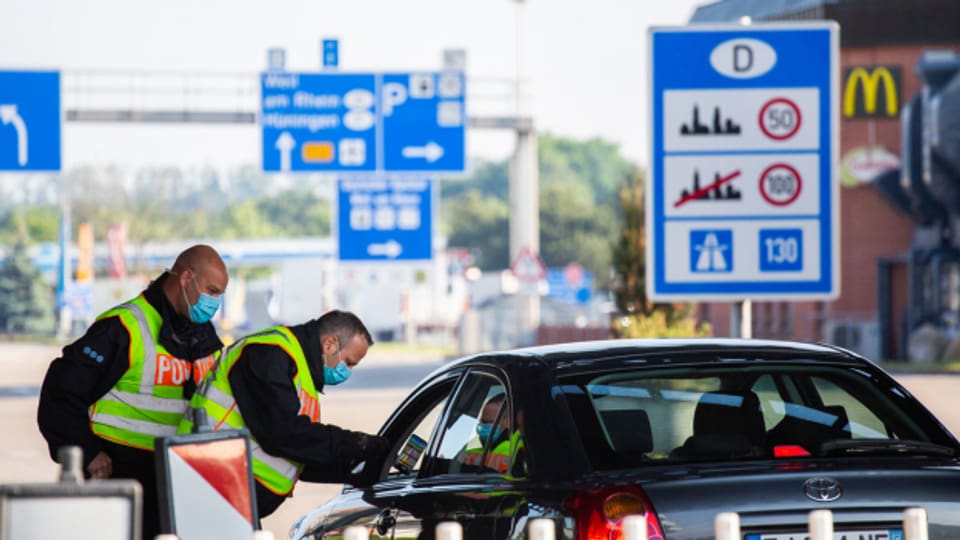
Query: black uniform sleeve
x: 262, y: 383
x: 87, y: 369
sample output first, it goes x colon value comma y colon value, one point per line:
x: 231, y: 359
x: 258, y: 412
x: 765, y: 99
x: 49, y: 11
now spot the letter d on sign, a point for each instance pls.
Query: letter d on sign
x: 742, y: 58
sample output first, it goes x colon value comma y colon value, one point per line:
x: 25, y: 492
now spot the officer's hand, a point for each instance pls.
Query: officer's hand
x: 373, y: 450
x: 101, y: 467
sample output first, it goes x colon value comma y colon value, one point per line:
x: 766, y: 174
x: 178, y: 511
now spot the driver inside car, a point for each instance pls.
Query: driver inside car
x: 495, y: 447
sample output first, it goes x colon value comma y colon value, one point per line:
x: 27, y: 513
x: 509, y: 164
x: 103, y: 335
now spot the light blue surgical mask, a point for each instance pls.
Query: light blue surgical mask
x: 206, y: 306
x: 335, y: 376
x: 484, y: 429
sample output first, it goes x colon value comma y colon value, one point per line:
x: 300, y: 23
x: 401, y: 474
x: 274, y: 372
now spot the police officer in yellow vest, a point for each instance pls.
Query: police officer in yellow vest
x: 127, y: 380
x: 495, y: 447
x: 269, y: 383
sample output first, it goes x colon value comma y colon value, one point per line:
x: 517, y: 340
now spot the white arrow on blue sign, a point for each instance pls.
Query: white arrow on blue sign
x: 742, y: 201
x: 363, y: 122
x: 385, y: 219
x: 30, y: 120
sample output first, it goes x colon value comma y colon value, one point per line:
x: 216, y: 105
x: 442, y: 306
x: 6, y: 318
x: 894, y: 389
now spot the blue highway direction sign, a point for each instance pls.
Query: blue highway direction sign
x: 363, y: 122
x: 385, y: 219
x: 743, y: 202
x: 30, y: 120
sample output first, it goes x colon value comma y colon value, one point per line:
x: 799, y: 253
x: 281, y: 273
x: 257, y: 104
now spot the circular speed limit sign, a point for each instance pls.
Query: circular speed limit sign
x: 780, y: 184
x: 779, y: 119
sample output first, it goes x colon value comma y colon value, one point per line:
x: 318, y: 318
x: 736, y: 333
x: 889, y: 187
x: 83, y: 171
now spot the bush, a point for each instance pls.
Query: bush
x: 655, y: 325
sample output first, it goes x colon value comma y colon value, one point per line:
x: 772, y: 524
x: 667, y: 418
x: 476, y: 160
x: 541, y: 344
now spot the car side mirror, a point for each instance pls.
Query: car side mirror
x: 408, y: 457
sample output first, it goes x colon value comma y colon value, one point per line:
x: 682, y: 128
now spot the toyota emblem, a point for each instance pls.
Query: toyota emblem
x: 822, y: 489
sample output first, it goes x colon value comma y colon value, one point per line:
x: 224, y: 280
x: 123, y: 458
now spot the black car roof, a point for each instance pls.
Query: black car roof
x: 716, y: 349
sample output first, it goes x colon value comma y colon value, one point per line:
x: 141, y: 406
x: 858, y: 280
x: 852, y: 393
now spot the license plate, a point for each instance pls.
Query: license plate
x: 888, y: 534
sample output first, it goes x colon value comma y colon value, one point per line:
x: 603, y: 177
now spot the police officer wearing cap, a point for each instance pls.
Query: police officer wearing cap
x: 128, y: 379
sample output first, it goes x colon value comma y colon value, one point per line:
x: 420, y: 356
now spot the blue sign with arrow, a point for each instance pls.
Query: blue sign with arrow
x: 385, y: 219
x: 30, y: 120
x: 364, y: 122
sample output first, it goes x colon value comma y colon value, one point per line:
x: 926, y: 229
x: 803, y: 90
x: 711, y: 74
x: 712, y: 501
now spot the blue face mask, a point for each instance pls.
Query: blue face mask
x: 205, y: 308
x: 484, y: 429
x: 335, y: 376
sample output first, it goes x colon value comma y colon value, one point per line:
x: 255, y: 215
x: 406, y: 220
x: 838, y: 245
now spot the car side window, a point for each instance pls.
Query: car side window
x: 417, y: 418
x: 423, y: 430
x: 478, y: 436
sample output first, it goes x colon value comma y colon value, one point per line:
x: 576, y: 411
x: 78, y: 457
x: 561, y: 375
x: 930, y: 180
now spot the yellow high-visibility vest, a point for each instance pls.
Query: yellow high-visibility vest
x: 214, y: 405
x: 147, y: 402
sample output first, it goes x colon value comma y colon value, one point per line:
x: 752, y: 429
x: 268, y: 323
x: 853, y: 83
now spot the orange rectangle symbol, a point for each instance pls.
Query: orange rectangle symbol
x: 317, y: 152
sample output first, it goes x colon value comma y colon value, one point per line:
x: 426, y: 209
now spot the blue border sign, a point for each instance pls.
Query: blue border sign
x: 30, y: 120
x: 385, y: 219
x: 742, y: 200
x: 363, y: 122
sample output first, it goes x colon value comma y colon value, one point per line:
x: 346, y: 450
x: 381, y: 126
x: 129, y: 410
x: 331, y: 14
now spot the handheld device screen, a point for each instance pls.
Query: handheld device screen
x: 407, y: 459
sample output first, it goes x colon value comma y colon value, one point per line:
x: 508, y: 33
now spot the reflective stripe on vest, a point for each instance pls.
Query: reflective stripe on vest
x: 500, y: 458
x: 146, y: 402
x: 215, y: 405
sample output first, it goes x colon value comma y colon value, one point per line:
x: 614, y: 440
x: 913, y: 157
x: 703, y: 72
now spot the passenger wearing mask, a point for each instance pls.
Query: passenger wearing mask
x: 495, y: 447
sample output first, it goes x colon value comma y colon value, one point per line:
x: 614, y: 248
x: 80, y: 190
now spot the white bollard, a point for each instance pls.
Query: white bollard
x: 166, y: 536
x: 449, y: 530
x: 726, y: 526
x: 635, y: 528
x: 356, y: 533
x: 262, y: 535
x: 542, y: 529
x: 820, y: 523
x: 915, y: 524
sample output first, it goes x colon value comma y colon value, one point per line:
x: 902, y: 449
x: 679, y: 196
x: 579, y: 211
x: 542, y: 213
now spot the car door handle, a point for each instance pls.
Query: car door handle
x: 385, y: 521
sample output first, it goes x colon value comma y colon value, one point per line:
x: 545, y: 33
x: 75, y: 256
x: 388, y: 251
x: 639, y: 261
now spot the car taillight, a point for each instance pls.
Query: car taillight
x: 599, y: 512
x: 790, y: 450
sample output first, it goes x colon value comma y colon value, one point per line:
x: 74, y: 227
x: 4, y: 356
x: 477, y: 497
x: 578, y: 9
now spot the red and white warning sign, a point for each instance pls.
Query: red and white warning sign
x: 780, y: 119
x: 780, y: 184
x: 207, y: 485
x: 528, y: 267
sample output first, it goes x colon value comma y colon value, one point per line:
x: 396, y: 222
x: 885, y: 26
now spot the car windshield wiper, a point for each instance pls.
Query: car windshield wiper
x: 884, y: 446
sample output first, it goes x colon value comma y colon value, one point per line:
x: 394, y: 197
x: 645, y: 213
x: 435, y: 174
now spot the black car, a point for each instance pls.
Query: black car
x: 674, y: 430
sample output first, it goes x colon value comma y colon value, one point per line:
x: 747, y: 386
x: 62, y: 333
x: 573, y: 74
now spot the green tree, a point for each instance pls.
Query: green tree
x: 40, y: 223
x: 578, y: 216
x: 26, y: 302
x: 488, y: 177
x: 480, y: 224
x: 595, y: 166
x: 297, y: 213
x: 574, y: 229
x: 640, y: 317
x: 628, y: 254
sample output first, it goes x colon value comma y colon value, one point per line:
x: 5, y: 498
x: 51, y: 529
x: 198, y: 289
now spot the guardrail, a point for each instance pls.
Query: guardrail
x: 726, y: 527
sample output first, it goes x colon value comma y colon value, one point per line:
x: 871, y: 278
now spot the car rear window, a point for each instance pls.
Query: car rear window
x: 740, y: 411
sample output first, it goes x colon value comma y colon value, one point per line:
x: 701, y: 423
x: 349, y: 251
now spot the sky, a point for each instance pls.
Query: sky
x: 585, y: 62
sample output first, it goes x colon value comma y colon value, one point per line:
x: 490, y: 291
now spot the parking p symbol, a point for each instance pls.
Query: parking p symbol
x: 393, y: 94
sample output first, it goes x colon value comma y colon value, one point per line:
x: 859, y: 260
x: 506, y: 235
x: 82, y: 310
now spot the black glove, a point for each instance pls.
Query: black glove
x: 366, y: 468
